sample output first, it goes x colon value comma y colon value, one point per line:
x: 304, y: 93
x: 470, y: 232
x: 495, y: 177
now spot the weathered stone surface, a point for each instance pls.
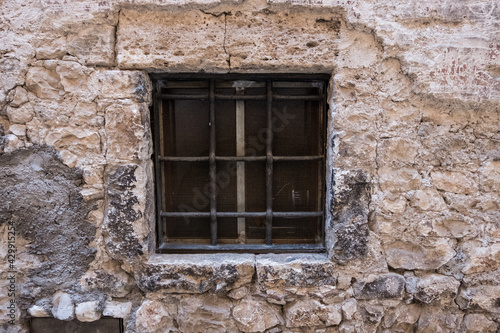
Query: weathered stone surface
x: 150, y: 315
x: 456, y: 182
x: 310, y: 313
x: 88, y: 311
x: 479, y: 323
x: 349, y: 308
x: 256, y: 316
x: 289, y: 270
x: 38, y: 311
x: 481, y: 258
x: 431, y: 288
x: 415, y: 256
x: 388, y: 285
x: 117, y: 309
x: 402, y: 318
x: 437, y: 319
x: 428, y: 200
x: 196, y: 273
x: 489, y: 176
x: 205, y: 313
x: 484, y: 297
x: 63, y: 307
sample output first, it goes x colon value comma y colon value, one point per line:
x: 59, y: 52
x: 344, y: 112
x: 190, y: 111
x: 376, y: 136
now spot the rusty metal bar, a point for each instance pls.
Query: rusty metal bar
x: 242, y: 214
x: 184, y: 158
x: 269, y: 165
x: 158, y: 181
x: 241, y: 97
x: 181, y: 96
x: 213, y: 184
x: 298, y: 97
x: 298, y: 158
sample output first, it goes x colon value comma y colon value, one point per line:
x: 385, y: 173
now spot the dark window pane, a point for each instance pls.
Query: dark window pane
x: 296, y: 230
x: 51, y: 325
x: 255, y: 230
x: 187, y: 229
x: 186, y: 187
x: 295, y: 186
x: 185, y: 128
x: 226, y: 186
x: 255, y: 186
x: 227, y: 230
x: 255, y: 128
x: 225, y: 129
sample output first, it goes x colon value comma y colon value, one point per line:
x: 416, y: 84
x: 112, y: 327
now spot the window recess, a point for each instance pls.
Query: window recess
x: 240, y: 162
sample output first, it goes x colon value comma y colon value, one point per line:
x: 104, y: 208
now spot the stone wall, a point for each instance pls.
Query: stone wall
x: 413, y: 219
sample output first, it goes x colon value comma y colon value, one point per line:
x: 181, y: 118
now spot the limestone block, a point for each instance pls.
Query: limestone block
x: 18, y: 97
x: 397, y: 151
x: 484, y: 297
x: 127, y: 131
x: 171, y: 39
x: 401, y: 318
x: 238, y: 293
x: 93, y: 45
x: 38, y: 311
x: 88, y: 311
x: 409, y: 255
x: 438, y: 319
x: 399, y: 180
x: 22, y: 114
x: 310, y: 313
x: 489, y: 176
x: 63, y: 307
x: 428, y: 200
x: 481, y: 258
x: 17, y: 130
x: 429, y: 288
x: 349, y: 308
x: 116, y: 84
x: 117, y: 309
x: 77, y: 81
x: 456, y: 182
x: 150, y: 315
x: 294, y: 270
x: 205, y: 313
x: 44, y: 83
x: 256, y: 316
x: 458, y: 227
x: 384, y: 286
x: 196, y: 273
x: 479, y: 323
x: 358, y: 50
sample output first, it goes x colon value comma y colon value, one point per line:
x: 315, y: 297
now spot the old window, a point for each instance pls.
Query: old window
x: 239, y: 162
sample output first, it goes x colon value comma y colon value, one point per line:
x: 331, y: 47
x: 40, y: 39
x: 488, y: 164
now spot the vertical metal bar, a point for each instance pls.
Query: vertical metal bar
x: 158, y: 167
x: 213, y: 202
x: 240, y: 166
x: 269, y: 165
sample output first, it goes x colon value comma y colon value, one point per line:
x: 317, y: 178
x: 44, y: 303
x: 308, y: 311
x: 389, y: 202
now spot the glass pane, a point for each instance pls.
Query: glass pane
x: 255, y: 189
x: 187, y: 229
x: 296, y: 230
x: 225, y: 128
x: 186, y: 187
x: 297, y: 128
x: 226, y: 186
x: 227, y: 231
x: 296, y: 186
x: 255, y: 230
x: 185, y: 129
x: 255, y: 128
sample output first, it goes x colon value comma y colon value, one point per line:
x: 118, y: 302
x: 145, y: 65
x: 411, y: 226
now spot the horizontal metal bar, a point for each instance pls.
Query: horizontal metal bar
x: 183, y: 158
x: 242, y: 214
x: 297, y: 214
x: 253, y: 248
x: 298, y: 158
x: 297, y: 97
x: 238, y: 158
x: 180, y: 96
x: 241, y: 97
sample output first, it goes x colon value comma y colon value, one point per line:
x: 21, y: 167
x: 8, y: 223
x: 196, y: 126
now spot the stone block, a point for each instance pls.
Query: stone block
x: 117, y: 309
x: 479, y: 323
x: 384, y: 286
x: 116, y: 84
x: 483, y: 297
x: 196, y: 273
x: 399, y: 179
x: 205, y: 313
x: 428, y: 200
x: 22, y: 114
x: 63, y: 307
x: 481, y: 258
x: 455, y: 182
x: 150, y: 315
x: 410, y: 255
x: 88, y: 311
x: 489, y: 176
x: 311, y: 313
x: 256, y: 316
x: 429, y: 288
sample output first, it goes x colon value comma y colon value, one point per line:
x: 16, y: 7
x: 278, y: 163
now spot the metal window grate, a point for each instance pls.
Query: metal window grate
x: 207, y: 91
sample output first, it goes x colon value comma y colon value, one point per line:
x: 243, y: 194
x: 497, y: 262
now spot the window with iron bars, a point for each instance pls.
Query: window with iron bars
x: 240, y: 162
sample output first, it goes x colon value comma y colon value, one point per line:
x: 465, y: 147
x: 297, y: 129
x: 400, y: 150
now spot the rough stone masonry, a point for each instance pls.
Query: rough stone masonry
x: 413, y: 223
